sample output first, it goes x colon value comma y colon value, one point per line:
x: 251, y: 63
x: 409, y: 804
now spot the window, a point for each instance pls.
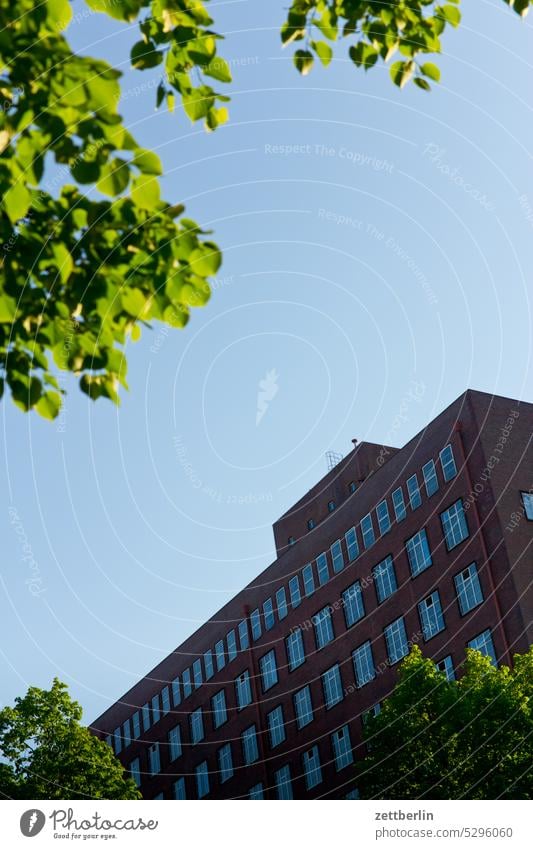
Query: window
x: 282, y: 778
x: 291, y: 541
x: 468, y: 588
x: 165, y: 700
x: 382, y: 512
x: 454, y: 524
x: 176, y: 692
x: 255, y: 623
x: 308, y: 580
x: 294, y: 591
x: 197, y: 673
x: 154, y: 760
x: 384, y: 579
x: 268, y: 613
x: 447, y: 463
x: 399, y: 504
x: 256, y: 792
x: 332, y: 686
x: 527, y: 501
x: 431, y: 482
x: 268, y: 670
x: 352, y: 487
x: 342, y: 748
x: 225, y: 763
x: 483, y: 643
x: 136, y: 725
x: 431, y: 618
x: 276, y: 726
x: 179, y: 789
x: 375, y: 710
x: 156, y: 712
x: 202, y: 780
x: 250, y: 751
x: 367, y: 531
x: 322, y: 569
x: 146, y: 716
x: 208, y: 665
x: 186, y: 682
x: 295, y: 649
x: 174, y: 743
x: 126, y: 733
x: 312, y: 771
x: 197, y: 725
x: 135, y: 771
x: 218, y: 705
x: 352, y: 600
x: 303, y: 707
x: 363, y: 664
x: 281, y: 603
x: 415, y: 499
x: 418, y: 553
x: 231, y: 641
x: 396, y: 640
x: 331, y: 506
x: 337, y: 556
x: 243, y: 690
x: 220, y: 655
x: 323, y: 627
x: 310, y: 524
x: 117, y: 738
x: 446, y: 665
x: 352, y: 546
x: 244, y: 641
x: 353, y: 794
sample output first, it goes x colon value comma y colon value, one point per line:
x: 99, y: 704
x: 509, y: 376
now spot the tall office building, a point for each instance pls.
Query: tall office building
x: 429, y: 544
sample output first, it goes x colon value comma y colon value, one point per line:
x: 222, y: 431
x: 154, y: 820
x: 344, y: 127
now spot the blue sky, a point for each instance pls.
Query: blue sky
x: 377, y: 262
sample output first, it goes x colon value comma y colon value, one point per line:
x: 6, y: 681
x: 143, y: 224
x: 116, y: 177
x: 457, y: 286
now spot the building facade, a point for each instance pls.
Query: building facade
x: 430, y: 544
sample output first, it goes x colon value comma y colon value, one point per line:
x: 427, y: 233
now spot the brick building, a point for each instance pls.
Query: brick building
x: 429, y: 544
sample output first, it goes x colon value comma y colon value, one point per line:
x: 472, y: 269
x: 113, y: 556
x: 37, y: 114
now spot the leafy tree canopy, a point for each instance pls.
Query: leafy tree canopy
x: 465, y: 739
x: 49, y: 755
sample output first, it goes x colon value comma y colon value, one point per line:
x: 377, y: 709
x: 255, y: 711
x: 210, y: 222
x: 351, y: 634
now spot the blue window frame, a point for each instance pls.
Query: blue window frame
x: 281, y: 603
x: 447, y: 462
x: 303, y: 707
x: 331, y: 506
x: 268, y: 670
x: 225, y: 763
x: 209, y: 669
x: 454, y: 524
x: 295, y: 649
x: 418, y: 553
x: 135, y: 771
x: 310, y: 524
x: 154, y: 759
x: 165, y: 700
x: 399, y: 504
x: 202, y: 780
x: 231, y: 642
x: 483, y: 643
x: 218, y: 706
x: 282, y: 779
x: 527, y: 504
x: 117, y: 740
x: 352, y: 601
x: 468, y: 589
x: 179, y: 789
x: 257, y: 791
x: 363, y: 664
x: 197, y: 673
x: 367, y: 531
x: 220, y: 655
x: 342, y: 748
x: 156, y: 710
x: 268, y: 614
x: 146, y: 716
x: 430, y: 613
x: 186, y: 682
x: 255, y: 623
x: 243, y: 690
x: 384, y: 579
x: 322, y: 569
x: 196, y: 720
x: 250, y: 750
x: 323, y: 627
x: 431, y: 481
x: 244, y: 640
x: 337, y: 557
x: 126, y: 733
x: 308, y: 580
x: 294, y: 591
x: 382, y: 512
x: 174, y: 743
x: 136, y: 725
x: 352, y: 546
x: 396, y: 640
x: 415, y: 499
x: 332, y: 686
x: 176, y: 692
x: 446, y: 665
x: 276, y: 727
x: 312, y: 770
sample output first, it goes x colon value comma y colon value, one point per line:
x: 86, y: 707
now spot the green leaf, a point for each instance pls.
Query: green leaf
x: 423, y: 84
x: 451, y: 14
x: 363, y: 54
x: 323, y: 51
x: 401, y: 73
x: 58, y: 14
x: 205, y: 260
x: 144, y: 56
x: 63, y: 260
x: 145, y: 191
x: 114, y: 178
x: 16, y: 201
x: 8, y: 308
x: 303, y: 61
x: 430, y: 70
x: 49, y: 405
x: 219, y: 69
x: 147, y: 162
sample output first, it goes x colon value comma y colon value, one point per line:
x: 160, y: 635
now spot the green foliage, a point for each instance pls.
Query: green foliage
x: 471, y: 738
x: 78, y: 276
x: 47, y: 754
x: 377, y: 30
